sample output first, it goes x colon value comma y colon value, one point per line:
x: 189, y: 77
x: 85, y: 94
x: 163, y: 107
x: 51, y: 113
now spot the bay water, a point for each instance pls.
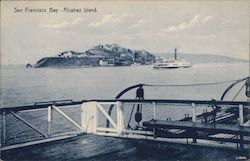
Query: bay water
x: 21, y: 86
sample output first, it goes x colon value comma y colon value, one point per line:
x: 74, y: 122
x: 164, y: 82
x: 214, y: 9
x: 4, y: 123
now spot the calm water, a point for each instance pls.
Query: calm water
x: 21, y: 86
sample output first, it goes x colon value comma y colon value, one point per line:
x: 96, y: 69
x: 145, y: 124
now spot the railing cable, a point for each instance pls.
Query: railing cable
x: 196, y: 84
x: 238, y: 92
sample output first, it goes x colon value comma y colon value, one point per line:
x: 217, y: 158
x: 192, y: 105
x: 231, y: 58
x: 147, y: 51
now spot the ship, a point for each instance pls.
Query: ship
x: 175, y: 62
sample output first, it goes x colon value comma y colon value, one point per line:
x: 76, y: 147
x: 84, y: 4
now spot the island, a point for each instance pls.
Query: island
x: 100, y: 55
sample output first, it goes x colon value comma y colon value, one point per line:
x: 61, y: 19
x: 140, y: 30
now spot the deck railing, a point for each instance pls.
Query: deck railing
x: 53, y: 120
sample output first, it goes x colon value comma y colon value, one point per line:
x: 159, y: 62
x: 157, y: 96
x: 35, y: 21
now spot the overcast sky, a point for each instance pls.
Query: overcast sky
x: 200, y: 27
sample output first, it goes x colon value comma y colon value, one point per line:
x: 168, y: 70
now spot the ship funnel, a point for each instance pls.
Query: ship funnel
x: 175, y: 54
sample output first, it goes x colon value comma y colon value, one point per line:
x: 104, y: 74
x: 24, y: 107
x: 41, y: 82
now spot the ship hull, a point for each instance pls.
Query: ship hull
x: 171, y: 66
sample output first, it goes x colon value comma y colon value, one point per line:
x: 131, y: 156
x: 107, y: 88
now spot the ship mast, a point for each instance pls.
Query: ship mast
x: 175, y: 54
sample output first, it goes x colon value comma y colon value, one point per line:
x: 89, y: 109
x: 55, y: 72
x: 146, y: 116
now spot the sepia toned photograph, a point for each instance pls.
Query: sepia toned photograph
x: 110, y: 80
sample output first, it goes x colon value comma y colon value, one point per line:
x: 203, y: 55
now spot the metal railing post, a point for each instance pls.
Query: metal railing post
x: 154, y: 109
x: 193, y: 112
x: 241, y: 123
x: 49, y: 120
x: 194, y: 120
x: 241, y: 117
x: 120, y: 118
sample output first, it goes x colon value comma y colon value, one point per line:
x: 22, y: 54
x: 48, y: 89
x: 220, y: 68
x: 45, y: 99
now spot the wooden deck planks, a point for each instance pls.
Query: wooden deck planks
x: 99, y: 148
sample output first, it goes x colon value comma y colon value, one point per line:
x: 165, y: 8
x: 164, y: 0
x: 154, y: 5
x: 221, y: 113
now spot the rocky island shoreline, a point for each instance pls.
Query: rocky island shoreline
x: 100, y: 55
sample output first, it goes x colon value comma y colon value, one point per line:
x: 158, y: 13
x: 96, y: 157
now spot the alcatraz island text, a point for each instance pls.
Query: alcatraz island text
x: 54, y: 10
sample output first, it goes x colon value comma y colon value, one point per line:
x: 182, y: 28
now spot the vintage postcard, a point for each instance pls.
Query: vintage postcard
x: 125, y: 80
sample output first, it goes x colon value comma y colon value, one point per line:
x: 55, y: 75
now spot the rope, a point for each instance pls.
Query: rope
x: 130, y: 116
x: 181, y: 85
x: 238, y: 92
x: 128, y: 126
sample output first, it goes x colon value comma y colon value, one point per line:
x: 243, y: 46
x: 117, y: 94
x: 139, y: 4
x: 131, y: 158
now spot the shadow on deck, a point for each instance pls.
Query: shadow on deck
x: 92, y: 147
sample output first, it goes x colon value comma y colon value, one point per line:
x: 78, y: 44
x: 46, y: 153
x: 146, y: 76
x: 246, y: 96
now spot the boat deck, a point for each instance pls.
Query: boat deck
x: 92, y: 147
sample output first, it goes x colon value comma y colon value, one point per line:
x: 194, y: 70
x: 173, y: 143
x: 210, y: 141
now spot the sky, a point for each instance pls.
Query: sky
x: 199, y: 27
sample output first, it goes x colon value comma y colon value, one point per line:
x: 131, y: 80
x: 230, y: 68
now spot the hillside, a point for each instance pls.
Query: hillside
x: 100, y: 55
x: 114, y: 51
x: 203, y: 58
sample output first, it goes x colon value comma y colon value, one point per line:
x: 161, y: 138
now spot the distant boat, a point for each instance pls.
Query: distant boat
x: 28, y: 65
x: 175, y: 62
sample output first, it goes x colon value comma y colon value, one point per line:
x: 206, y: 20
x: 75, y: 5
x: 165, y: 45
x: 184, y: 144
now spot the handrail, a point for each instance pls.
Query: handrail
x: 54, y: 102
x: 170, y: 101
